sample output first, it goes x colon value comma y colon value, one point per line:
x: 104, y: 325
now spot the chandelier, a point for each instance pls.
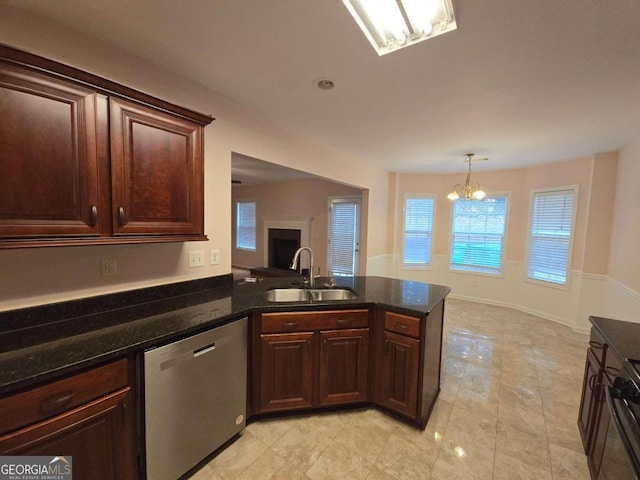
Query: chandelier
x: 470, y: 190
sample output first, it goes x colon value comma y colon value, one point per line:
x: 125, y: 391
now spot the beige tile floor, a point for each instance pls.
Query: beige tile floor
x: 507, y: 410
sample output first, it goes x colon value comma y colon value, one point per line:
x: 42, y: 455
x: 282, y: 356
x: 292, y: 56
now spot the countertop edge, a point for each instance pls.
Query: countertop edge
x: 82, y: 362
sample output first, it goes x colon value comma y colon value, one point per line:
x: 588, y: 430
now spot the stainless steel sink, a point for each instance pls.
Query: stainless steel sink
x: 309, y: 294
x: 288, y: 295
x: 319, y: 295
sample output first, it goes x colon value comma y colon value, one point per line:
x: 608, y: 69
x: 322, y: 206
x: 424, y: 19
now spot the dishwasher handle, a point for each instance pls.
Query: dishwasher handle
x: 172, y: 358
x: 202, y: 350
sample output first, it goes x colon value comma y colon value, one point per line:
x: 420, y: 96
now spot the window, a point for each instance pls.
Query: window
x: 246, y: 224
x: 552, y: 219
x: 344, y: 236
x: 477, y: 239
x: 418, y: 226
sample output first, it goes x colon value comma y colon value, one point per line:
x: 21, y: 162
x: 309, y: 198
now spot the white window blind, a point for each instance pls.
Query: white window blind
x: 418, y: 226
x: 477, y: 240
x: 344, y: 238
x: 246, y: 225
x: 550, y: 235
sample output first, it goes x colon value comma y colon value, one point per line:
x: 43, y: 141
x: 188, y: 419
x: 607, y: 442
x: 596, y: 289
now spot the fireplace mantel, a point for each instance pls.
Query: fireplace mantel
x: 288, y: 222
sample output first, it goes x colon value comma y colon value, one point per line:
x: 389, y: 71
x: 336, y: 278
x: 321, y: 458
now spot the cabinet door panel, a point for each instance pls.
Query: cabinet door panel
x: 286, y: 371
x: 400, y: 362
x: 156, y: 171
x: 98, y: 437
x: 48, y: 157
x: 589, y: 401
x: 344, y: 366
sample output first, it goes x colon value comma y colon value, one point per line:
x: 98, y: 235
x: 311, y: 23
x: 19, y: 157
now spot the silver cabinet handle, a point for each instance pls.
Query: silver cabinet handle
x: 121, y: 216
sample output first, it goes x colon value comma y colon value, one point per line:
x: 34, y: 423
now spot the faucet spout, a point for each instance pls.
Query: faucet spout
x: 296, y: 258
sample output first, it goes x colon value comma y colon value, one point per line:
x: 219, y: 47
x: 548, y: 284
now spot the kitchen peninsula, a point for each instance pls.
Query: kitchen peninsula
x: 382, y: 347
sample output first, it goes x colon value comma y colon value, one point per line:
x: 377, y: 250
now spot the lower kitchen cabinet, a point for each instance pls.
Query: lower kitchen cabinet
x: 87, y: 417
x: 397, y: 386
x: 407, y: 363
x: 316, y: 359
x: 286, y: 371
x: 601, y: 368
x: 592, y: 377
x: 309, y: 359
x: 344, y: 366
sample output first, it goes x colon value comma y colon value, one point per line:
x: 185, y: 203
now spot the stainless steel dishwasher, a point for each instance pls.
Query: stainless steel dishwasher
x: 195, y: 398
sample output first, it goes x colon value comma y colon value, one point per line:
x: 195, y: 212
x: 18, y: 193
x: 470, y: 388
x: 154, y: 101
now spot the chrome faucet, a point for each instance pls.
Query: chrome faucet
x: 294, y: 263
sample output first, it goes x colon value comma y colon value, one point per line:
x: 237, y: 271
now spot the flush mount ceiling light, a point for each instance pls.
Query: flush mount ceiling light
x: 470, y: 190
x: 393, y: 24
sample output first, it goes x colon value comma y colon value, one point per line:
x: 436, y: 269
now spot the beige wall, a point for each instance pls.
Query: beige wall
x: 37, y: 276
x: 600, y: 216
x: 624, y: 253
x: 296, y: 198
x: 518, y: 183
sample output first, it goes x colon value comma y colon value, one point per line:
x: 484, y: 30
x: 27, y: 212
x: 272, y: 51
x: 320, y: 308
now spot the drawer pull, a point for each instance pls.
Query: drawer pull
x: 402, y: 326
x: 55, y: 404
x: 343, y: 321
x: 289, y: 324
x: 594, y: 344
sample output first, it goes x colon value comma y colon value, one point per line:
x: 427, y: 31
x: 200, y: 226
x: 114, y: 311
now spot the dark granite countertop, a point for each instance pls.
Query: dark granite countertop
x: 40, y: 343
x: 624, y: 339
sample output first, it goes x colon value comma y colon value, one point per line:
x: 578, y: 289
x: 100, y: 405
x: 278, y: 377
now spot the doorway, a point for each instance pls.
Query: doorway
x: 344, y: 236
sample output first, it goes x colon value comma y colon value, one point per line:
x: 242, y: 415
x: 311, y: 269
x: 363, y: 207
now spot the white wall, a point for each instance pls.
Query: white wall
x: 36, y: 276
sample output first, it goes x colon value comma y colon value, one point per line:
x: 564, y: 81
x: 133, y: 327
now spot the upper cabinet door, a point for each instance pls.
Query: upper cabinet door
x: 48, y: 157
x: 156, y: 171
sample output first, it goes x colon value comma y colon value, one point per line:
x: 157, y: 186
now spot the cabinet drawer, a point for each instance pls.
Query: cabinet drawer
x: 42, y: 402
x: 308, y: 321
x: 402, y: 324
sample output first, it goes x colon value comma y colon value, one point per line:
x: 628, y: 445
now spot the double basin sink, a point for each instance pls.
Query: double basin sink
x: 309, y: 294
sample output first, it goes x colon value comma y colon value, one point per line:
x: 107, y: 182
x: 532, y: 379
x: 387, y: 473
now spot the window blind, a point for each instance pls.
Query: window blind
x: 418, y: 226
x: 550, y: 236
x: 343, y: 238
x: 477, y: 239
x: 246, y: 225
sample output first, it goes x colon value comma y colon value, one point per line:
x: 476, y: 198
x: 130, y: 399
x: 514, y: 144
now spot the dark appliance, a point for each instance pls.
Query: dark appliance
x: 621, y: 456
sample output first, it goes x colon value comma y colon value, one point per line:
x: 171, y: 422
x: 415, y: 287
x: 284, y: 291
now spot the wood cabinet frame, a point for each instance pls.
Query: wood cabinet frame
x: 83, y: 175
x: 399, y: 372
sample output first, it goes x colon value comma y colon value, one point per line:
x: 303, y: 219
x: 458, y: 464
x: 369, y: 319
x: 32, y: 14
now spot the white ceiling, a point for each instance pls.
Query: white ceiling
x: 520, y: 81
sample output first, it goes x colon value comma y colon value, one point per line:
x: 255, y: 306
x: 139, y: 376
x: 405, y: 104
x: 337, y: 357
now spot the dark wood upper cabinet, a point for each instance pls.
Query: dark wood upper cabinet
x: 48, y: 157
x: 85, y: 160
x: 157, y: 176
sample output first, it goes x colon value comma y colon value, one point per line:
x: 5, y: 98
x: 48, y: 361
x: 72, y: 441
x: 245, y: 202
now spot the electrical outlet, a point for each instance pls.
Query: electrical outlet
x: 215, y: 257
x: 109, y: 267
x: 196, y: 259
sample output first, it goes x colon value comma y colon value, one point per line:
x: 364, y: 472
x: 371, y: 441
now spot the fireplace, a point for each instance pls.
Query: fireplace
x: 287, y: 228
x: 283, y: 243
